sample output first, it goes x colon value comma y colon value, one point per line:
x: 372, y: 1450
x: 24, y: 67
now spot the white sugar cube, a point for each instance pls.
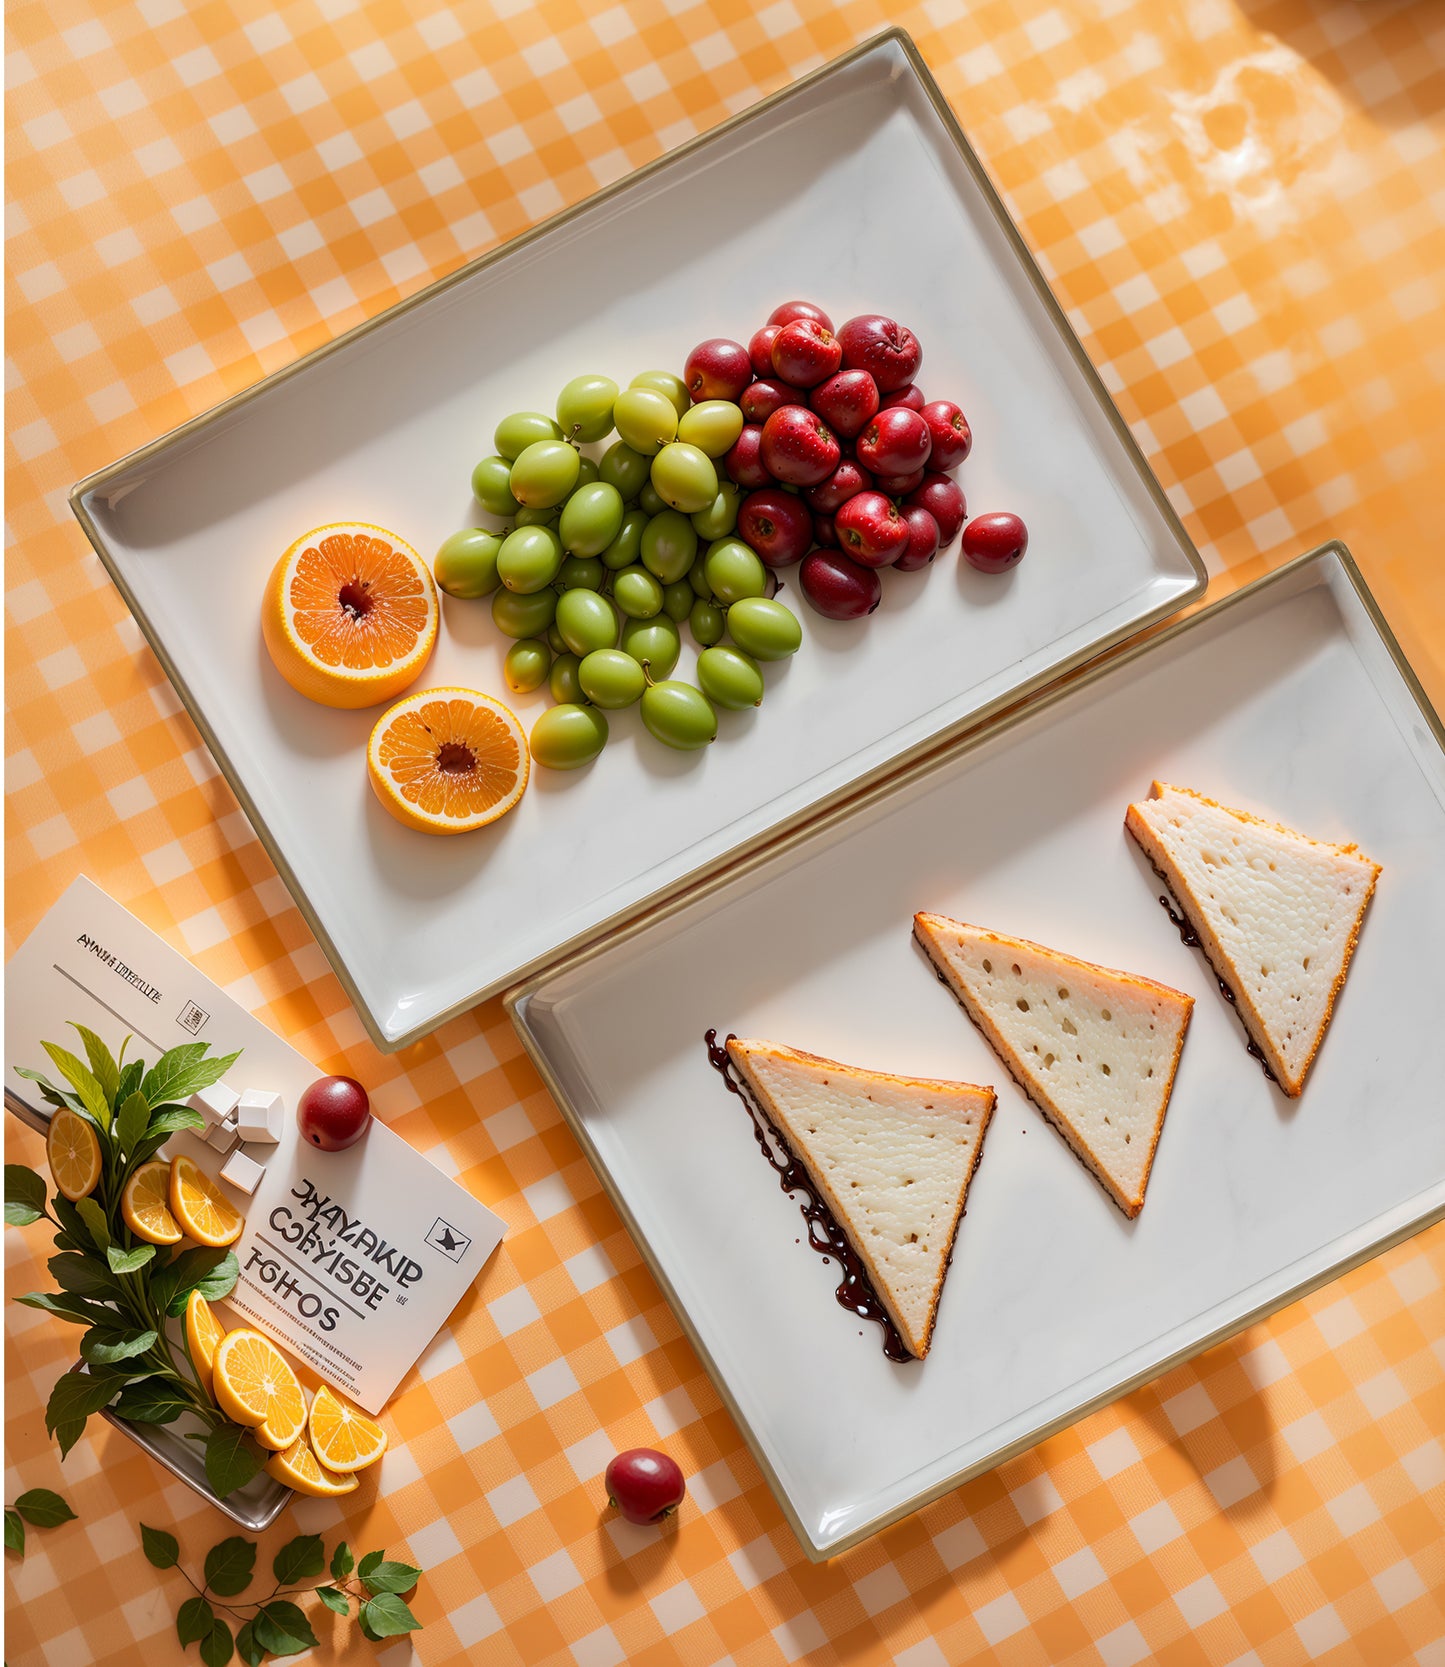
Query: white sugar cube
x: 242, y: 1170
x: 224, y: 1136
x: 259, y: 1116
x: 215, y: 1103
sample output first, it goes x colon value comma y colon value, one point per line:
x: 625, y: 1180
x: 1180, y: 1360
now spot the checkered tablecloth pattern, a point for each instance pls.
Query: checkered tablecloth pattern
x: 1241, y: 204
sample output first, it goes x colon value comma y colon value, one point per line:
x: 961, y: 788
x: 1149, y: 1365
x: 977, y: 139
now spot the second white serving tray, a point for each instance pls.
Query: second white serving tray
x: 1285, y: 699
x: 855, y: 187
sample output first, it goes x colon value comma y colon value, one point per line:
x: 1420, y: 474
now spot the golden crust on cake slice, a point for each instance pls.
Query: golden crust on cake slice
x: 1277, y: 914
x: 892, y: 1157
x: 1094, y: 1049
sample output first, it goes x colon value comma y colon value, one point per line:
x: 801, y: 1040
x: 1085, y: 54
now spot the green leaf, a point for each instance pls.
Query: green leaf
x: 367, y: 1631
x: 102, y: 1062
x: 74, y: 1310
x: 372, y: 1560
x: 154, y: 1400
x: 14, y: 1533
x: 102, y: 1345
x: 389, y: 1577
x: 24, y: 1195
x: 85, y: 1276
x: 161, y: 1548
x: 217, y: 1648
x: 70, y: 1221
x: 247, y: 1648
x: 43, y: 1509
x: 334, y: 1599
x: 168, y: 1122
x: 388, y: 1616
x: 82, y: 1079
x: 282, y: 1628
x: 132, y: 1121
x: 68, y: 1433
x: 299, y: 1559
x: 342, y: 1562
x: 127, y: 1261
x: 129, y: 1079
x: 144, y: 1150
x: 230, y: 1565
x: 230, y: 1461
x: 75, y: 1396
x: 184, y: 1071
x: 48, y: 1091
x: 96, y: 1225
x: 210, y: 1271
x: 194, y: 1621
x: 220, y: 1281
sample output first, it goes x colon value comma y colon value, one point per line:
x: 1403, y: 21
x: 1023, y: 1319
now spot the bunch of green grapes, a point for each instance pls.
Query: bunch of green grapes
x: 607, y: 558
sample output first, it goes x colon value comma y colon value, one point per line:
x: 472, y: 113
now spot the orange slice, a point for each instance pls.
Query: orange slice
x: 297, y: 1467
x: 344, y: 1438
x: 350, y: 615
x: 145, y: 1204
x: 448, y: 760
x: 72, y: 1149
x: 254, y: 1385
x: 203, y: 1333
x: 201, y: 1208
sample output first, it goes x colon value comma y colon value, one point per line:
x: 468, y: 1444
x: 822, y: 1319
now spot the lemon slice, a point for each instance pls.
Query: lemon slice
x: 203, y: 1332
x: 298, y: 1468
x: 254, y: 1385
x: 344, y: 1439
x: 72, y: 1148
x: 199, y: 1205
x: 145, y: 1204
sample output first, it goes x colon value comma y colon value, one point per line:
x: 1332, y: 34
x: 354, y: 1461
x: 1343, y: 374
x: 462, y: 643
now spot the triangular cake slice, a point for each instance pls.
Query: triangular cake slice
x: 1276, y: 913
x: 1095, y: 1050
x: 892, y: 1157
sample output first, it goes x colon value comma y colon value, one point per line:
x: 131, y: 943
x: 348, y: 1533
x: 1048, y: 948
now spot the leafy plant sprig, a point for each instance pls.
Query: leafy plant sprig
x: 121, y: 1290
x: 275, y: 1624
x: 41, y: 1509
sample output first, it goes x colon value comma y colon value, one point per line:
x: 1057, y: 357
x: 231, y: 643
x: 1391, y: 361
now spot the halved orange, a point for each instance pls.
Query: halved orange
x: 203, y: 1334
x: 145, y: 1204
x: 350, y: 615
x: 254, y: 1385
x: 343, y: 1437
x: 298, y: 1468
x: 448, y: 760
x: 202, y: 1209
x: 72, y: 1149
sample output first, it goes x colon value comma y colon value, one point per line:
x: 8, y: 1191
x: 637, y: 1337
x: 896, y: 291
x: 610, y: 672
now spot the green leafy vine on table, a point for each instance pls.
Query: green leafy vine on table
x: 41, y: 1509
x: 277, y: 1625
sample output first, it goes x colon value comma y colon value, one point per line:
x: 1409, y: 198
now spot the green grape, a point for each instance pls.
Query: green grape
x: 626, y: 549
x: 665, y: 383
x: 586, y: 621
x: 466, y: 564
x: 679, y: 716
x: 646, y: 419
x: 611, y: 679
x: 522, y: 429
x: 515, y: 615
x: 669, y: 545
x: 684, y: 477
x: 766, y: 630
x: 545, y: 473
x: 587, y: 471
x: 654, y: 643
x: 730, y: 678
x: 707, y: 622
x: 563, y: 681
x: 584, y: 408
x: 555, y: 640
x: 625, y: 469
x: 529, y: 559
x: 712, y: 425
x: 581, y: 573
x: 536, y: 517
x: 492, y: 486
x: 569, y: 736
x: 591, y: 518
x: 527, y: 665
x: 721, y: 515
x: 650, y: 499
x: 697, y: 578
x: 637, y: 593
x: 733, y: 571
x: 677, y: 600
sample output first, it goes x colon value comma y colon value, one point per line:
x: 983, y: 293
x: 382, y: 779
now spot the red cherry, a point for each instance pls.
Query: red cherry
x: 333, y: 1113
x: 846, y: 481
x: 952, y: 437
x: 871, y: 530
x: 791, y: 310
x: 644, y: 1485
x: 760, y: 349
x: 896, y: 442
x: 825, y: 532
x: 943, y: 499
x: 776, y: 525
x: 994, y: 543
x: 797, y: 448
x: 744, y: 463
x: 837, y: 587
x: 805, y: 353
x: 846, y: 402
x: 911, y: 396
x: 760, y: 399
x: 885, y: 349
x: 717, y: 369
x: 922, y: 541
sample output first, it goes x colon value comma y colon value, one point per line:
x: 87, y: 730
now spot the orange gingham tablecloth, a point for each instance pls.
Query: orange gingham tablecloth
x: 1241, y: 204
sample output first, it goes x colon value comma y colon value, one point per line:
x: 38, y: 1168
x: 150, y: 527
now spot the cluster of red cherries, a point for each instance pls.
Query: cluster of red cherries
x: 844, y: 460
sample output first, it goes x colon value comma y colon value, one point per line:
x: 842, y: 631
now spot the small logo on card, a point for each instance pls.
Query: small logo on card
x: 192, y: 1018
x: 445, y: 1238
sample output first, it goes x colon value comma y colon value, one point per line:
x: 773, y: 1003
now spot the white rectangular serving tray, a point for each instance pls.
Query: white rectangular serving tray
x: 855, y: 186
x: 1289, y: 699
